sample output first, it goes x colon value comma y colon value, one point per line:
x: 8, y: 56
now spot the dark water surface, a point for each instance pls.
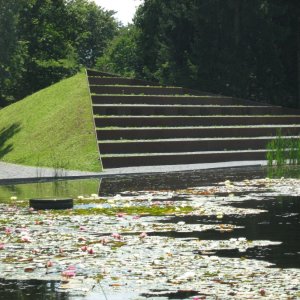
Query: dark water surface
x: 280, y: 222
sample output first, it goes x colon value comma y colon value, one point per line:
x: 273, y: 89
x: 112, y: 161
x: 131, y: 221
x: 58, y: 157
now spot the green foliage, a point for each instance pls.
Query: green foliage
x: 120, y: 56
x: 236, y: 47
x: 283, y: 151
x: 91, y: 30
x: 132, y: 210
x: 51, y: 128
x: 12, y: 51
x: 43, y: 41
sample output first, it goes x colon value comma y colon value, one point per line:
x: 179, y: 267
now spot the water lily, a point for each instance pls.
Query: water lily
x: 90, y: 251
x: 120, y: 215
x: 84, y: 248
x: 69, y: 273
x: 8, y: 230
x: 80, y: 197
x: 2, y: 246
x: 242, y: 239
x: 116, y: 236
x: 262, y: 292
x: 49, y: 264
x: 104, y: 241
x: 25, y: 239
x: 220, y: 215
x: 143, y: 235
x: 36, y: 251
x: 13, y: 198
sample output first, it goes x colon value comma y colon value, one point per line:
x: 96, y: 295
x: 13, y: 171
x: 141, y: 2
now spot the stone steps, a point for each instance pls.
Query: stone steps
x: 142, y: 124
x: 155, y: 159
x: 136, y: 90
x: 183, y: 110
x: 183, y: 145
x: 118, y: 81
x: 210, y: 121
x: 145, y: 133
x: 170, y: 100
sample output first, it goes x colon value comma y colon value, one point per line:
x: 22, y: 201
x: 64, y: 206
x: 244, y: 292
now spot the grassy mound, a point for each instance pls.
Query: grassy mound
x: 51, y: 128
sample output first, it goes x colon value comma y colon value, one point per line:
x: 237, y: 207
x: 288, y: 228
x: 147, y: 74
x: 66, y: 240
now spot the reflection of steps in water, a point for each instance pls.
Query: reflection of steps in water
x: 164, y: 181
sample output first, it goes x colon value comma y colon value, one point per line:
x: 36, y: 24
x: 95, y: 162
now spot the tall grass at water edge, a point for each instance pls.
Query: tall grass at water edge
x: 283, y: 151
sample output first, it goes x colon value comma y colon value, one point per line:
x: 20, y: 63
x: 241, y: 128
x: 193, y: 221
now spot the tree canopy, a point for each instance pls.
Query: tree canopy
x: 43, y: 41
x: 248, y: 49
x: 243, y: 48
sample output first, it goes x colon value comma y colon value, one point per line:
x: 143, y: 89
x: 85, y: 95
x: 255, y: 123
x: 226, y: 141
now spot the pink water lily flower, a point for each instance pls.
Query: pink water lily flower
x: 25, y: 239
x: 69, y: 273
x: 8, y: 230
x: 2, y: 246
x: 116, y: 236
x: 91, y: 251
x: 84, y: 248
x: 49, y: 264
x: 143, y: 235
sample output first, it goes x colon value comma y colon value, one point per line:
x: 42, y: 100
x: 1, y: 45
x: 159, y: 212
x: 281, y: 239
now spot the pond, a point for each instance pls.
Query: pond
x: 231, y: 233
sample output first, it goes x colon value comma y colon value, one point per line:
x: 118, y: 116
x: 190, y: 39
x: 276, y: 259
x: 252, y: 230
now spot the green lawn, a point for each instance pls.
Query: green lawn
x: 51, y: 128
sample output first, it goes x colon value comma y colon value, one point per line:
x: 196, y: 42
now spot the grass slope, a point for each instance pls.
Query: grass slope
x: 51, y: 128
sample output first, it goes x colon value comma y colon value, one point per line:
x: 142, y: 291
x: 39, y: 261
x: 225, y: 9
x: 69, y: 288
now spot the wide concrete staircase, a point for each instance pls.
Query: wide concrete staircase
x: 140, y: 123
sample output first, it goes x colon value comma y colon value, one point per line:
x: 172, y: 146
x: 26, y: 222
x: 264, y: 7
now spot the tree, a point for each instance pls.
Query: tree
x: 120, y: 56
x: 43, y: 41
x: 51, y: 56
x: 236, y: 47
x: 91, y: 29
x: 12, y: 51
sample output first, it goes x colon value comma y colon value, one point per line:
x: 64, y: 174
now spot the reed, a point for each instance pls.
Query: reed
x: 282, y: 151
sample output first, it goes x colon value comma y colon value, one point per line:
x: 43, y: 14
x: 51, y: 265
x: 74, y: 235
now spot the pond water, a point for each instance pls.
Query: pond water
x: 195, y: 226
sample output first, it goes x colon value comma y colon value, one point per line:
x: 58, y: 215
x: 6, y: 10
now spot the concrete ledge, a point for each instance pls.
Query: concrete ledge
x: 13, y: 177
x: 14, y: 171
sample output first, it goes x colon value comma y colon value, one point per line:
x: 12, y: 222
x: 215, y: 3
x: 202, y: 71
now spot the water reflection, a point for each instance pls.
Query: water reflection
x: 29, y: 290
x: 280, y: 222
x: 121, y: 183
x: 55, y: 189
